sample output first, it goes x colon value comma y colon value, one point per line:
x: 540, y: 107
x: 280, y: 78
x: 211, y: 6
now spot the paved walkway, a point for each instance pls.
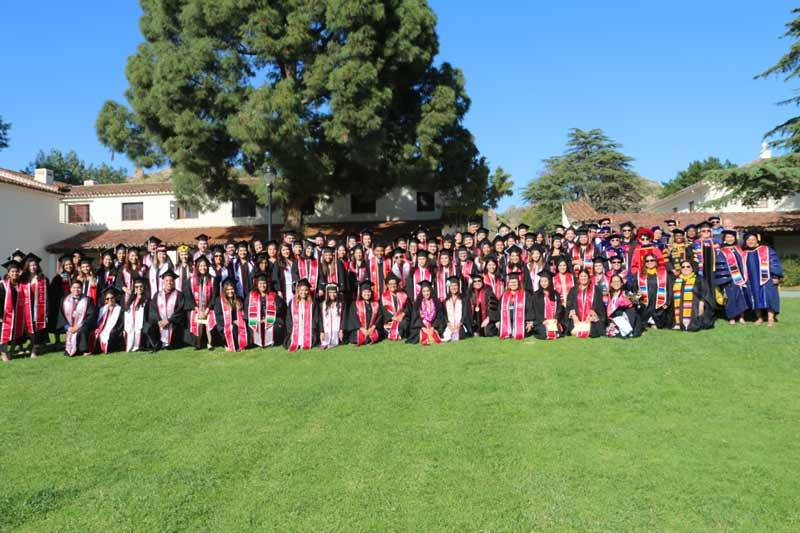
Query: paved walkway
x: 790, y: 294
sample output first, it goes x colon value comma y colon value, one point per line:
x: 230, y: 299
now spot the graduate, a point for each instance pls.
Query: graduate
x: 731, y: 277
x: 622, y: 319
x: 379, y: 269
x: 514, y: 316
x: 563, y: 280
x: 586, y: 313
x: 131, y: 271
x: 419, y: 274
x: 548, y: 313
x: 333, y: 317
x: 693, y: 300
x: 200, y: 295
x: 202, y: 248
x: 651, y: 285
x: 617, y: 268
x: 12, y: 319
x: 136, y: 319
x: 265, y: 311
x: 764, y: 274
x: 57, y: 290
x: 120, y: 256
x: 307, y: 267
x: 160, y: 264
x: 219, y: 265
x: 34, y: 287
x: 704, y: 251
x: 183, y: 268
x: 482, y: 305
x: 536, y: 267
x: 167, y: 315
x: 359, y: 272
x: 677, y: 251
x: 395, y: 310
x: 229, y: 314
x: 149, y: 256
x: 458, y: 314
x: 427, y: 317
x: 400, y: 267
x: 242, y: 270
x: 445, y: 269
x: 583, y: 253
x: 599, y: 278
x: 90, y: 286
x: 108, y: 333
x: 303, y: 322
x: 492, y: 278
x: 466, y: 267
x: 363, y: 323
x: 77, y: 319
x: 107, y: 273
x: 332, y: 269
x: 644, y: 246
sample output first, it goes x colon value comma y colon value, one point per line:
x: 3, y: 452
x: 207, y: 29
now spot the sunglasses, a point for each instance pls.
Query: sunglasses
x: 649, y: 260
x: 686, y: 266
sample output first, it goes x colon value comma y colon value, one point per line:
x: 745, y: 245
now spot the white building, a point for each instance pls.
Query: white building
x: 29, y: 207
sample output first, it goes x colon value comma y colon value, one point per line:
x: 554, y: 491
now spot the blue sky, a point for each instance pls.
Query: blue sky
x: 672, y: 81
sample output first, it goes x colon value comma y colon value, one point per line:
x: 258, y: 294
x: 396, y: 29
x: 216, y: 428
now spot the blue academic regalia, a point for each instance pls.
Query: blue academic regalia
x: 737, y: 298
x: 764, y: 296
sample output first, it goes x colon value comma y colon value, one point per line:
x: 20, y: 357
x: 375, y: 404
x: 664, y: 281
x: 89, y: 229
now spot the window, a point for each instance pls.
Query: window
x: 359, y: 205
x: 78, y: 213
x: 426, y: 201
x: 185, y: 212
x: 691, y: 206
x: 244, y: 207
x: 133, y: 211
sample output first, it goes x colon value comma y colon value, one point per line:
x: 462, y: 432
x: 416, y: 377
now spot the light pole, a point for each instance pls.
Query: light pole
x: 269, y: 206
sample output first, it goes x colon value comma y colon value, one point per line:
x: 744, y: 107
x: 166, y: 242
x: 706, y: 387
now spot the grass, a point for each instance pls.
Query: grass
x: 670, y: 432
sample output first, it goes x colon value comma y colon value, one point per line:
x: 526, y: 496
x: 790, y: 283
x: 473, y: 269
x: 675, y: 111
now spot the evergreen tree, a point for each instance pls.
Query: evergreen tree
x: 69, y: 168
x: 696, y: 172
x: 592, y: 168
x: 332, y: 97
x: 4, y: 138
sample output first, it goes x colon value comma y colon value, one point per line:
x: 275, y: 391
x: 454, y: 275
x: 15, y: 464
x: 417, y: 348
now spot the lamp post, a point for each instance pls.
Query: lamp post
x: 269, y: 207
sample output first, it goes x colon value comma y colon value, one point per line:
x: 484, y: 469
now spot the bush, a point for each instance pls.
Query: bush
x: 791, y: 270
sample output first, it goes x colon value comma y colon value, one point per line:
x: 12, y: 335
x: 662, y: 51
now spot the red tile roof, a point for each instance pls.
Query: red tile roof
x: 580, y: 211
x: 116, y: 189
x: 27, y: 181
x: 104, y: 239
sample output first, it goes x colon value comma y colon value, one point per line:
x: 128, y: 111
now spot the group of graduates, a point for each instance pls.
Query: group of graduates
x: 589, y: 281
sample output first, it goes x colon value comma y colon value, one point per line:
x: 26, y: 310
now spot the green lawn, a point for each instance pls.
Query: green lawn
x: 672, y: 431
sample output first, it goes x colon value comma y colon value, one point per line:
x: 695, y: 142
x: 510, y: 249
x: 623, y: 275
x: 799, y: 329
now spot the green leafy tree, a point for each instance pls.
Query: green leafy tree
x: 69, y: 168
x: 477, y: 193
x: 4, y: 138
x: 332, y: 97
x: 696, y: 172
x: 593, y: 169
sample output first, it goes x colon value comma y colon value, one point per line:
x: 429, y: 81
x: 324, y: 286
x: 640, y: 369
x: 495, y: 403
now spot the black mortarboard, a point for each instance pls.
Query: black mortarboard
x: 425, y: 283
x: 328, y: 249
x: 514, y: 274
x: 523, y: 226
x: 482, y: 230
x: 503, y: 225
x: 730, y: 232
x: 422, y: 253
x: 65, y: 257
x: 583, y: 230
x: 446, y: 252
x: 615, y: 258
x: 109, y: 253
x: 262, y: 276
x: 111, y: 290
x: 704, y: 225
x: 33, y: 257
x: 477, y: 276
x: 8, y: 265
x: 677, y: 231
x: 712, y: 218
x: 598, y: 259
x: 392, y: 277
x: 670, y: 221
x: 202, y: 258
x: 169, y: 274
x: 357, y: 247
x: 454, y: 279
x: 690, y: 226
x: 627, y: 224
x: 364, y: 285
x: 154, y: 240
x: 366, y: 231
x: 303, y: 283
x: 217, y: 249
x: 201, y: 237
x: 593, y: 226
x: 398, y: 251
x: 510, y: 235
x: 614, y: 236
x: 751, y: 233
x: 514, y: 249
x: 497, y: 239
x: 86, y: 261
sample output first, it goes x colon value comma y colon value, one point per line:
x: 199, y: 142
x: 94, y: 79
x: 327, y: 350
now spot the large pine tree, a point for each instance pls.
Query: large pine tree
x: 332, y: 96
x: 592, y: 168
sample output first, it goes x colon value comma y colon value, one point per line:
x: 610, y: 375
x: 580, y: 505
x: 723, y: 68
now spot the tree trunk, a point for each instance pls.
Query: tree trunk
x: 293, y: 216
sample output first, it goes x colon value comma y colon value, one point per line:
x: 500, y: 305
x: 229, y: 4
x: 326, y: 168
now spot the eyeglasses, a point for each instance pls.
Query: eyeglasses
x: 684, y: 267
x: 649, y: 260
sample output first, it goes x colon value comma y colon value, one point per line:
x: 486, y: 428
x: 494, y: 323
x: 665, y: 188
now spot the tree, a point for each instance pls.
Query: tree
x: 592, y: 168
x: 331, y: 97
x: 69, y: 168
x: 477, y: 193
x: 4, y: 138
x: 696, y: 172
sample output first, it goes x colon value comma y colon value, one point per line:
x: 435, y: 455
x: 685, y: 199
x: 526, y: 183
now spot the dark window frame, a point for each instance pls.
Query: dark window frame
x: 72, y: 210
x: 361, y: 206
x: 134, y: 206
x: 244, y: 208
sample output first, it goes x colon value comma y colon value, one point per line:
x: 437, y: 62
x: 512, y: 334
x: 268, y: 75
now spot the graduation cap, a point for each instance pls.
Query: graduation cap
x: 583, y: 230
x: 616, y: 258
x: 183, y: 248
x: 401, y: 239
x: 490, y: 258
x: 65, y: 257
x: 378, y: 244
x: 120, y: 246
x: 678, y: 231
x: 656, y: 227
x: 503, y: 225
x: 614, y: 236
x: 510, y: 235
x: 523, y: 226
x: 425, y: 284
x: 366, y: 231
x: 704, y: 225
x: 514, y: 274
x: 560, y: 227
x: 303, y: 283
x: 462, y: 248
x: 730, y: 232
x: 17, y: 254
x: 454, y: 279
x: 201, y: 259
x: 392, y: 277
x: 604, y: 229
x: 364, y: 285
x: 446, y: 252
x: 86, y: 261
x: 242, y: 244
x: 328, y: 249
x: 477, y: 277
x: 714, y: 218
x: 357, y: 247
x: 153, y: 240
x: 31, y: 257
x: 201, y: 238
x: 112, y: 291
x: 497, y: 239
x: 171, y: 274
x: 627, y: 225
x: 136, y: 249
x: 598, y: 259
x: 218, y: 249
x: 161, y: 248
x: 751, y: 233
x: 422, y: 253
x: 474, y: 220
x: 670, y: 222
x: 484, y: 242
x: 272, y: 242
x: 8, y: 265
x: 690, y: 226
x: 398, y: 251
x: 593, y: 226
x: 514, y: 249
x: 262, y: 276
x: 482, y: 230
x: 109, y: 253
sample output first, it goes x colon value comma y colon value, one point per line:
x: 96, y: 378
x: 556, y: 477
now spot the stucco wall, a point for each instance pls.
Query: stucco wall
x: 707, y: 194
x: 30, y: 222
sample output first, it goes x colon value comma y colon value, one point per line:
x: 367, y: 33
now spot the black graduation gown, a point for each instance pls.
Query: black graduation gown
x: 144, y: 343
x: 387, y: 317
x: 219, y: 315
x: 597, y: 329
x: 633, y: 318
x: 661, y: 317
x: 410, y: 285
x: 318, y: 286
x: 106, y: 279
x: 352, y: 324
x: 116, y: 340
x: 56, y: 291
x: 439, y: 323
x: 529, y: 315
x: 244, y: 283
x: 539, y: 330
x: 705, y: 320
x: 85, y: 328
x: 177, y: 319
x: 41, y: 337
x: 342, y: 279
x: 190, y: 305
x: 279, y: 326
x: 316, y: 324
x: 486, y: 305
x: 466, y: 317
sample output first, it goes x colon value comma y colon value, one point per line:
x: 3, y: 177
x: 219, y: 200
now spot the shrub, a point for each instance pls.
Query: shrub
x: 791, y: 270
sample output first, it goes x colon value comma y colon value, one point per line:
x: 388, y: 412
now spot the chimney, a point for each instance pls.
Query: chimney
x: 88, y: 183
x: 44, y: 176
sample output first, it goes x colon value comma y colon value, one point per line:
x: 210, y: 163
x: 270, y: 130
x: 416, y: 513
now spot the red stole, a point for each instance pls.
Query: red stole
x: 466, y: 270
x: 75, y: 315
x: 333, y: 272
x: 562, y: 287
x: 256, y: 321
x: 583, y: 259
x: 13, y: 315
x: 302, y: 335
x: 90, y: 290
x: 201, y: 294
x: 420, y: 275
x: 230, y: 315
x: 550, y: 309
x: 661, y: 291
x: 375, y: 278
x: 361, y: 311
x: 478, y: 303
x: 103, y: 330
x: 517, y: 329
x: 388, y: 303
x: 308, y: 269
x: 495, y: 283
x: 441, y: 281
x: 35, y: 308
x: 166, y: 308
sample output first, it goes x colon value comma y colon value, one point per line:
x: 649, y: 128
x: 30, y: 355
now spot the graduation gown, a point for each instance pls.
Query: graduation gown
x: 78, y: 313
x: 242, y: 273
x: 173, y: 309
x: 125, y: 279
x: 547, y: 308
x: 303, y: 324
x: 437, y: 321
x: 458, y: 311
x: 412, y: 283
x: 36, y: 292
x: 136, y: 324
x: 687, y: 295
x: 731, y: 276
x: 310, y: 270
x: 108, y: 333
x: 363, y: 314
x: 231, y: 324
x: 335, y: 274
x: 56, y: 291
x: 618, y: 307
x: 199, y: 294
x: 378, y: 270
x: 12, y: 305
x: 648, y: 289
x: 763, y: 264
x: 333, y: 317
x: 260, y: 313
x: 514, y: 311
x: 575, y: 302
x: 392, y: 305
x: 482, y: 306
